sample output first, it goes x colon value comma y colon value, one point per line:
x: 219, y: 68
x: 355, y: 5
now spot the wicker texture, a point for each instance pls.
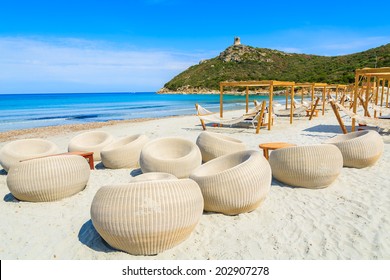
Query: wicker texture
x: 176, y: 156
x: 18, y: 150
x: 234, y: 183
x: 314, y: 166
x: 213, y: 145
x: 146, y: 218
x: 48, y: 179
x: 91, y: 141
x: 153, y: 176
x: 123, y: 153
x: 359, y: 149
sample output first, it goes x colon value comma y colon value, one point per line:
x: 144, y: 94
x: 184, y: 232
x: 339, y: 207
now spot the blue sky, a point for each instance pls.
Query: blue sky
x: 118, y: 45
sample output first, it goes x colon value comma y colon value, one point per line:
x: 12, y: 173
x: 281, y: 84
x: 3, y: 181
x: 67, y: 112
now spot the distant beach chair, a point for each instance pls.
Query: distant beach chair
x: 91, y: 141
x: 303, y: 103
x: 265, y: 118
x: 380, y: 109
x: 19, y: 150
x: 363, y: 120
x: 253, y: 115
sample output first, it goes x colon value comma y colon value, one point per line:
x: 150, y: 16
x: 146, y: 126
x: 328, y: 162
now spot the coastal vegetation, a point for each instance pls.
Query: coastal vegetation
x: 243, y: 63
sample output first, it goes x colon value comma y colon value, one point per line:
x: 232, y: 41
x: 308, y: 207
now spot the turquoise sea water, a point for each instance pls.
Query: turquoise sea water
x: 20, y: 111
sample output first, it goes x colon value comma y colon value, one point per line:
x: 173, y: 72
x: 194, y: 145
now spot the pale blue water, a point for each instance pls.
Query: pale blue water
x: 20, y: 111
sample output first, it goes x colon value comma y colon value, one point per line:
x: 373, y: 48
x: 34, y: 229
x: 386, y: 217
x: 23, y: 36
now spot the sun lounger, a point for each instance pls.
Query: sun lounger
x: 252, y: 115
x: 381, y: 123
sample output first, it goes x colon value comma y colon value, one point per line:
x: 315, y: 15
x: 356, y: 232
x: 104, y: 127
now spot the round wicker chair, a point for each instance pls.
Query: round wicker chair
x: 213, y: 145
x: 234, y: 183
x: 91, y: 141
x: 153, y: 176
x: 123, y: 153
x: 314, y: 166
x: 18, y: 150
x: 49, y: 178
x: 147, y: 217
x: 359, y: 149
x: 176, y: 156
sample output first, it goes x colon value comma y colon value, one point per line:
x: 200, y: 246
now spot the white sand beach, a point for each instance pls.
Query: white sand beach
x: 350, y: 219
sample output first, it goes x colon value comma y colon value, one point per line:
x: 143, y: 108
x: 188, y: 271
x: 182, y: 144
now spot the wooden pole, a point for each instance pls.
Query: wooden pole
x: 336, y: 112
x: 323, y: 100
x: 287, y: 99
x: 271, y: 96
x: 387, y: 94
x: 383, y: 92
x: 221, y: 101
x: 313, y: 108
x: 367, y: 113
x: 367, y: 94
x: 376, y: 94
x: 355, y: 94
x: 261, y: 116
x: 301, y: 95
x: 291, y: 107
x: 247, y: 100
x: 201, y: 121
x: 312, y: 92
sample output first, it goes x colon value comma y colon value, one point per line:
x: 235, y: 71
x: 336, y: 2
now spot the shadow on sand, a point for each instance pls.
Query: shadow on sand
x: 91, y: 238
x: 136, y: 172
x: 326, y: 128
x: 100, y: 166
x: 10, y: 198
x: 276, y: 183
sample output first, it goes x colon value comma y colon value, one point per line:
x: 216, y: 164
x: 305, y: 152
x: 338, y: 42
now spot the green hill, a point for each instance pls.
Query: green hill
x: 244, y: 63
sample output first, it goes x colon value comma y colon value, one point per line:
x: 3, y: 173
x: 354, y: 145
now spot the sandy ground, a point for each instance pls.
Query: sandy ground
x: 350, y: 219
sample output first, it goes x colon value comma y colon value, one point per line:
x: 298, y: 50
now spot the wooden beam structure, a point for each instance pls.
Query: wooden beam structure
x: 372, y: 78
x: 267, y: 83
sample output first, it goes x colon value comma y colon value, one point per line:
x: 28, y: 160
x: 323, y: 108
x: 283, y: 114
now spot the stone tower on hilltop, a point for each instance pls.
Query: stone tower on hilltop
x: 237, y: 41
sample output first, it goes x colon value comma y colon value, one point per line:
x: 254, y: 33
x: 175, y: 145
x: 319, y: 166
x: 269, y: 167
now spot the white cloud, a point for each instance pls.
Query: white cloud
x: 350, y: 45
x: 329, y: 42
x: 87, y: 65
x: 289, y: 50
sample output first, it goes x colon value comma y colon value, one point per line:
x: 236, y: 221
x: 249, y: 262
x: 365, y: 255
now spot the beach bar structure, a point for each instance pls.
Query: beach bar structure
x: 370, y: 80
x: 268, y: 83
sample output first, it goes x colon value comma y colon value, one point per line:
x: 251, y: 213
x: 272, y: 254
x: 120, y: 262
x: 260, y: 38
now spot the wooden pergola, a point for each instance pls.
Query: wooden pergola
x: 306, y: 85
x: 337, y: 88
x: 269, y: 83
x: 313, y: 86
x: 372, y: 78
